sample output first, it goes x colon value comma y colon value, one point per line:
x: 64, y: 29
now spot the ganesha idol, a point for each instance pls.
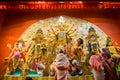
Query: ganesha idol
x: 60, y: 67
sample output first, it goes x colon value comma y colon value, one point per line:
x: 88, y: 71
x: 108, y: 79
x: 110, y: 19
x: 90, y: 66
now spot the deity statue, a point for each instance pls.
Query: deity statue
x: 16, y: 55
x: 118, y: 50
x: 78, y: 50
x: 92, y: 41
x: 79, y: 55
x: 68, y: 49
x: 36, y: 50
x: 60, y: 35
x: 110, y: 46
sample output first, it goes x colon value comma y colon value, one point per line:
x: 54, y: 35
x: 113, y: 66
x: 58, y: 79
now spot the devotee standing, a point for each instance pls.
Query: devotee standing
x: 108, y: 65
x: 97, y: 68
x: 60, y: 67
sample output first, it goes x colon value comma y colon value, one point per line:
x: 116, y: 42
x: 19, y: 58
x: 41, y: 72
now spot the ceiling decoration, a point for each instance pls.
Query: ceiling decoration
x: 58, y: 5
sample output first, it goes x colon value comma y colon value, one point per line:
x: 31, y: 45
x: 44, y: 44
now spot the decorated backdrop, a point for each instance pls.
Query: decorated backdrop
x: 78, y: 27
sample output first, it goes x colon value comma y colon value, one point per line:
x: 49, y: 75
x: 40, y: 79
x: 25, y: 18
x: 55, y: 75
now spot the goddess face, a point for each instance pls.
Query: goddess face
x: 92, y: 37
x: 20, y: 45
x: 16, y: 45
x: 38, y: 40
x: 77, y: 43
x: 110, y: 43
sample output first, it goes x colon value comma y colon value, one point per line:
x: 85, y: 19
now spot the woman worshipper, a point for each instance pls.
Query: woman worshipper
x: 60, y: 67
x: 108, y: 65
x: 97, y: 68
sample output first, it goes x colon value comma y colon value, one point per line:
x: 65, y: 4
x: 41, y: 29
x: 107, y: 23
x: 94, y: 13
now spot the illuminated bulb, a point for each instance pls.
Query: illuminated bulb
x: 61, y: 2
x: 80, y: 1
x: 101, y: 2
x: 39, y: 1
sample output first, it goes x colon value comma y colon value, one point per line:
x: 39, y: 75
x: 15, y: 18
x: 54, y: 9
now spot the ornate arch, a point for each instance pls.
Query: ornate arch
x: 80, y: 25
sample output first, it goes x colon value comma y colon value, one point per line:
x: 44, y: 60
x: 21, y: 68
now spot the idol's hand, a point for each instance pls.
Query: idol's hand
x: 9, y: 46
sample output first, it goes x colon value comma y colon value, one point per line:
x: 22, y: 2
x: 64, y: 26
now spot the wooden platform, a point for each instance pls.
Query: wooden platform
x: 86, y: 77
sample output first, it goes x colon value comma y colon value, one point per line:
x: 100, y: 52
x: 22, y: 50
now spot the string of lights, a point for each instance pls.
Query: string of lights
x: 58, y: 5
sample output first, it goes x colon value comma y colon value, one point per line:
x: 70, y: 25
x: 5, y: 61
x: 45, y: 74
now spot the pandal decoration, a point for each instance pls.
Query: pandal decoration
x: 45, y: 38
